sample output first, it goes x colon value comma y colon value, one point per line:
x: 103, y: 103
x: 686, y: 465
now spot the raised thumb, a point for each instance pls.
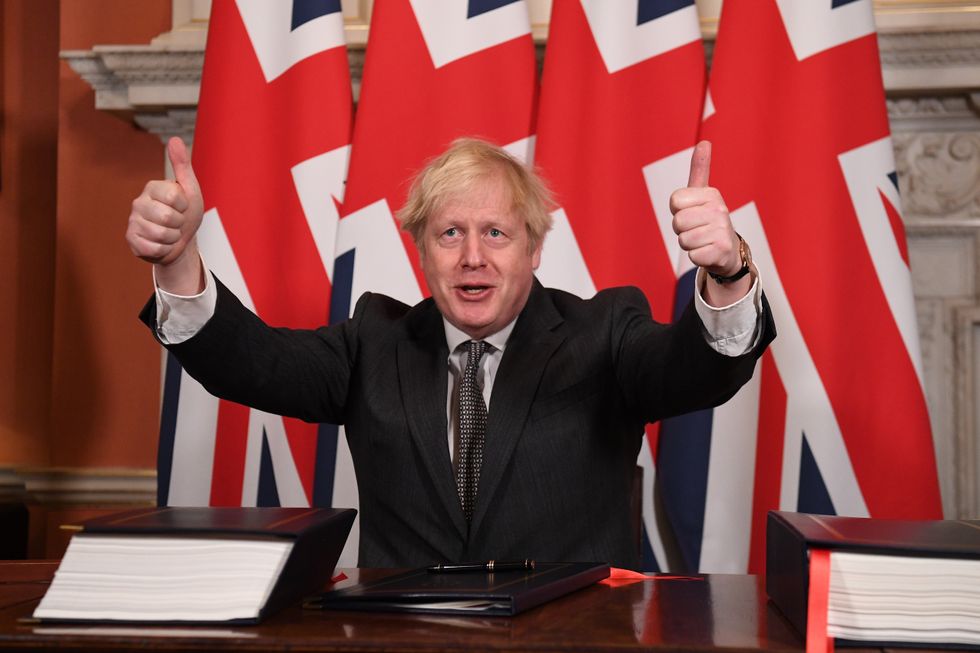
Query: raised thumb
x: 180, y: 161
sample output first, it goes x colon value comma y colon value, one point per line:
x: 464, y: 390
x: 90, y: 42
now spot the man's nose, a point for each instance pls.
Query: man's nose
x: 473, y: 253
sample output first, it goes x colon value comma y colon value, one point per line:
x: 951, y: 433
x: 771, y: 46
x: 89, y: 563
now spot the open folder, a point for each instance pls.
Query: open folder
x: 474, y: 593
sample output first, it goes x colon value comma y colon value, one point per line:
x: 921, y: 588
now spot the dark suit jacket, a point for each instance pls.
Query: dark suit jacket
x: 578, y: 381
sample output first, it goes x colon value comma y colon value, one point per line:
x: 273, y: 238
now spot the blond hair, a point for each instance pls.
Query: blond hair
x: 468, y: 162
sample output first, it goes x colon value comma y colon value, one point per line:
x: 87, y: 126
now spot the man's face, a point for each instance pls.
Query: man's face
x: 477, y: 261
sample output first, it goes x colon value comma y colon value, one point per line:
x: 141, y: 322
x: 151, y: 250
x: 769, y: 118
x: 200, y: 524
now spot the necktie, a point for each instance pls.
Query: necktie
x: 472, y: 429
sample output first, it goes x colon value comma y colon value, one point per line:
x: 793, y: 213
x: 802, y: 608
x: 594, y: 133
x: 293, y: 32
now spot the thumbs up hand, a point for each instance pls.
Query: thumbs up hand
x: 164, y: 221
x: 701, y: 221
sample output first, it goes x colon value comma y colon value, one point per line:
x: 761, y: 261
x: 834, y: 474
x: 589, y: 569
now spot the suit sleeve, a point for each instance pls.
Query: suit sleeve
x: 666, y: 370
x: 293, y: 372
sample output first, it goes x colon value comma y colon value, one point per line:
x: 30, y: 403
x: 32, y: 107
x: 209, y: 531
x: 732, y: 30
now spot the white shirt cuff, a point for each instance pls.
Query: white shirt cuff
x: 180, y: 317
x: 730, y: 330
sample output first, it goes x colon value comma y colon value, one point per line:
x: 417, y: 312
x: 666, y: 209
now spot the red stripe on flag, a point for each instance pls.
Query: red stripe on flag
x: 230, y: 445
x: 768, y: 458
x: 653, y: 438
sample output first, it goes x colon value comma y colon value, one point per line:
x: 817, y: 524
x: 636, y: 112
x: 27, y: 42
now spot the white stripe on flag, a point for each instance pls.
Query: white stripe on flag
x: 345, y: 496
x: 277, y: 45
x: 194, y: 436
x: 380, y: 261
x: 709, y: 106
x: 450, y: 35
x: 662, y: 178
x: 562, y: 264
x: 650, y: 517
x: 623, y: 43
x: 319, y: 180
x: 220, y: 258
x: 813, y: 27
x: 808, y: 407
x: 866, y: 170
x: 522, y: 149
x: 727, y: 531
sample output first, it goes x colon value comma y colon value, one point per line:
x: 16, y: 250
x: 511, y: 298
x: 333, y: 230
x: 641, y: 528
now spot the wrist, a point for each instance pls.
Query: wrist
x: 184, y: 275
x: 743, y: 265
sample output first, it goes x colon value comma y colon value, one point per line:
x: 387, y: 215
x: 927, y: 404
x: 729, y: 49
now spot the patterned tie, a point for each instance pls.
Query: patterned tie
x: 472, y: 429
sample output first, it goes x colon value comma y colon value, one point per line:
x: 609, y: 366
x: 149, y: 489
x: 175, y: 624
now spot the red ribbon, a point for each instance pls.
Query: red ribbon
x: 619, y: 577
x: 818, y: 600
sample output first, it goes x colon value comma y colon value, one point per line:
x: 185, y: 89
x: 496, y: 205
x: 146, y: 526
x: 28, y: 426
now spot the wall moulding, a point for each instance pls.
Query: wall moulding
x: 88, y: 486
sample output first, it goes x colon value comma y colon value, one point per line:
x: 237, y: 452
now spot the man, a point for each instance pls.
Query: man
x: 497, y: 419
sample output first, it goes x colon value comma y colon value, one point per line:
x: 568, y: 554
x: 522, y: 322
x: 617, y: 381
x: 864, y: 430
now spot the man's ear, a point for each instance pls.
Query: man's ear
x: 536, y: 256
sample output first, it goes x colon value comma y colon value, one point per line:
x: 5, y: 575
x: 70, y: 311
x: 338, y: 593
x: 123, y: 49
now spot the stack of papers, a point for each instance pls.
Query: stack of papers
x: 904, y: 598
x: 162, y: 578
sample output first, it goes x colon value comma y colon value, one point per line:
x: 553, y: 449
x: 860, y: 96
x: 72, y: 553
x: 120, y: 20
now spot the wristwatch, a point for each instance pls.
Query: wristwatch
x: 746, y: 254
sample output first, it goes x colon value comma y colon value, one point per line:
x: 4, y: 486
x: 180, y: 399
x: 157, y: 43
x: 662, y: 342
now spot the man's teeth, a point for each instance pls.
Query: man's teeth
x: 472, y: 290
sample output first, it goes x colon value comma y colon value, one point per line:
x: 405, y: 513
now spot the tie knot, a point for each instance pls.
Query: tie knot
x: 476, y: 350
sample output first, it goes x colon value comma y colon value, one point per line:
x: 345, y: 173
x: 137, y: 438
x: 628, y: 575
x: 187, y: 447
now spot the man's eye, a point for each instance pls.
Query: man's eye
x: 451, y: 232
x: 496, y: 233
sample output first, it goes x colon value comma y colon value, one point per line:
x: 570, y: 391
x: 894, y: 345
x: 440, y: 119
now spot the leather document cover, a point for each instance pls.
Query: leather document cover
x: 790, y: 537
x: 316, y: 537
x: 477, y: 593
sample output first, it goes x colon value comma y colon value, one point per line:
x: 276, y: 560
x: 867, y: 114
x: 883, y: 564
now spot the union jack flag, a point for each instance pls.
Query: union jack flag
x: 271, y: 150
x: 835, y: 419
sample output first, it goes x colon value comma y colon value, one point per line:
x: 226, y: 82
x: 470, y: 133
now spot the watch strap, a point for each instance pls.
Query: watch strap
x: 744, y: 270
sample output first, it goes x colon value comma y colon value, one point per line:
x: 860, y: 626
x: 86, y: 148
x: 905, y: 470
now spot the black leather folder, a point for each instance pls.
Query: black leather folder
x: 478, y: 593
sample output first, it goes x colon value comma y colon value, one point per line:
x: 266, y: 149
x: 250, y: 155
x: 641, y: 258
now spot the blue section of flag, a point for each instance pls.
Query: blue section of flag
x: 893, y: 177
x: 840, y: 3
x: 343, y: 282
x: 814, y: 497
x: 647, y: 10
x: 268, y: 492
x: 306, y: 10
x: 168, y: 428
x: 683, y: 454
x: 325, y: 468
x: 477, y: 7
x: 684, y: 293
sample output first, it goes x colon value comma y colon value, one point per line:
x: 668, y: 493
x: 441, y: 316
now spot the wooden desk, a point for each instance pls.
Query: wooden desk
x: 702, y: 614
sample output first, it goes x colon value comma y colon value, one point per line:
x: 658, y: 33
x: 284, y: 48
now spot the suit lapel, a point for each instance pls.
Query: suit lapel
x: 530, y: 346
x: 423, y: 375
